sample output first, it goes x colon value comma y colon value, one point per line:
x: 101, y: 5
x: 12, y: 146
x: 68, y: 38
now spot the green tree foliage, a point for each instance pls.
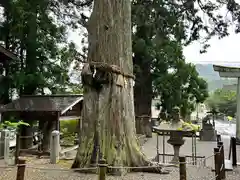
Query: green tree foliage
x: 36, y: 31
x: 180, y: 87
x: 12, y: 125
x: 224, y: 101
x: 161, y: 29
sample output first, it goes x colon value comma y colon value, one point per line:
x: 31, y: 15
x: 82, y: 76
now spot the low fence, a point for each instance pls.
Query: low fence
x: 199, y: 160
x: 11, y: 149
x: 178, y: 171
x: 219, y: 161
x: 182, y: 172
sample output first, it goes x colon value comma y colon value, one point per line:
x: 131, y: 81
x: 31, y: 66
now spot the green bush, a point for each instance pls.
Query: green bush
x: 68, y: 127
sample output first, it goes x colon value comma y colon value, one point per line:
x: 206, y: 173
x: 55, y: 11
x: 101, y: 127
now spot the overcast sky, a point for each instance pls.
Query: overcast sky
x: 222, y: 51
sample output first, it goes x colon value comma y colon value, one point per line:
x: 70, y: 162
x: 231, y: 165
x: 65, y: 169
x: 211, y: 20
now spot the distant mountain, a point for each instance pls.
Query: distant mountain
x: 206, y: 71
x: 214, y: 81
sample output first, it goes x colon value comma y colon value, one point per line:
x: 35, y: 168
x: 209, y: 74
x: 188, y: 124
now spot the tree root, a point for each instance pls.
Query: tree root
x: 152, y: 167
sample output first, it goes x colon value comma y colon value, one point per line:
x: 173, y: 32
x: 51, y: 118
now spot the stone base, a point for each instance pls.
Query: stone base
x: 208, y: 135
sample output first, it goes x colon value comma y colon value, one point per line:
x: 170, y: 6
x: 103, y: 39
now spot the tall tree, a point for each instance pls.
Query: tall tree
x: 108, y: 108
x: 163, y: 22
x: 35, y: 32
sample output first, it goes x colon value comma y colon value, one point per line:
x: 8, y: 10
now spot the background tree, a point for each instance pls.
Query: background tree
x: 179, y: 86
x: 223, y: 101
x: 157, y: 24
x: 37, y: 33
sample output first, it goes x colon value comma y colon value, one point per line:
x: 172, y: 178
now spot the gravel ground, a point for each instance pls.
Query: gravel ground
x: 49, y: 174
x: 44, y: 171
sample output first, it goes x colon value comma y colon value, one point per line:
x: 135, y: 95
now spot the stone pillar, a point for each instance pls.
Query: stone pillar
x: 238, y: 111
x: 147, y: 126
x: 54, y: 147
x: 4, y: 146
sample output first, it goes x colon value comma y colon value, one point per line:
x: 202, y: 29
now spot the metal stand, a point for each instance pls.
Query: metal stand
x: 164, y: 132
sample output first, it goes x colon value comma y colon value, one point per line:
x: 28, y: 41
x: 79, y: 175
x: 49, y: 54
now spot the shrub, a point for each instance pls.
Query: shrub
x: 69, y: 127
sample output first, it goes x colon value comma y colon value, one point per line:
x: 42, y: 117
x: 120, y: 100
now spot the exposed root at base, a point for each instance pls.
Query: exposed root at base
x: 152, y: 167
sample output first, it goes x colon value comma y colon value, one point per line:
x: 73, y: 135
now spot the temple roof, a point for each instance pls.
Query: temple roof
x: 4, y: 54
x: 45, y: 103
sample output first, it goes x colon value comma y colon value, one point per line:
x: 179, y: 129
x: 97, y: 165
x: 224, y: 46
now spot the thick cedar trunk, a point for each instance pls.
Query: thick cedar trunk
x: 143, y: 96
x: 108, y: 112
x: 31, y: 50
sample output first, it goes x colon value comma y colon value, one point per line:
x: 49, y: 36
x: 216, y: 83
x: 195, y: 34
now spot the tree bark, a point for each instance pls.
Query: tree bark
x: 31, y: 50
x: 143, y: 95
x: 108, y: 109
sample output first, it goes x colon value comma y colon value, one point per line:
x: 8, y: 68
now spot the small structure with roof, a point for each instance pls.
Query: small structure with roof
x: 46, y: 110
x: 6, y: 54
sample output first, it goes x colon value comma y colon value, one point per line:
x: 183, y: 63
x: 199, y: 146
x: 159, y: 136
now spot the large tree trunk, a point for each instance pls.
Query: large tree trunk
x: 108, y: 107
x: 31, y: 50
x: 143, y: 95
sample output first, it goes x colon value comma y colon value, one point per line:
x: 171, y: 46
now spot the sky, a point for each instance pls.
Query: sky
x: 221, y: 51
x: 224, y: 51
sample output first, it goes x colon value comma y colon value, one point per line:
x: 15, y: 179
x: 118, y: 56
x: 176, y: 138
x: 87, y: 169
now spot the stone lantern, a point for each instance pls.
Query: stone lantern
x: 176, y: 136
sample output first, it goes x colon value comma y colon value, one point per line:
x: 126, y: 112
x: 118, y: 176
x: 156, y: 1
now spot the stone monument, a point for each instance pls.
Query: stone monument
x: 208, y: 132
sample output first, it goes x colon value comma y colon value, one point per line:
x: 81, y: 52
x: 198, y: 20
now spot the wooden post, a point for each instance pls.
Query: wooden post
x: 102, y: 169
x: 158, y: 149
x: 230, y: 149
x: 217, y: 163
x: 234, y: 151
x: 17, y: 150
x: 219, y: 138
x: 163, y: 148
x: 21, y: 169
x: 182, y: 168
x: 221, y: 147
